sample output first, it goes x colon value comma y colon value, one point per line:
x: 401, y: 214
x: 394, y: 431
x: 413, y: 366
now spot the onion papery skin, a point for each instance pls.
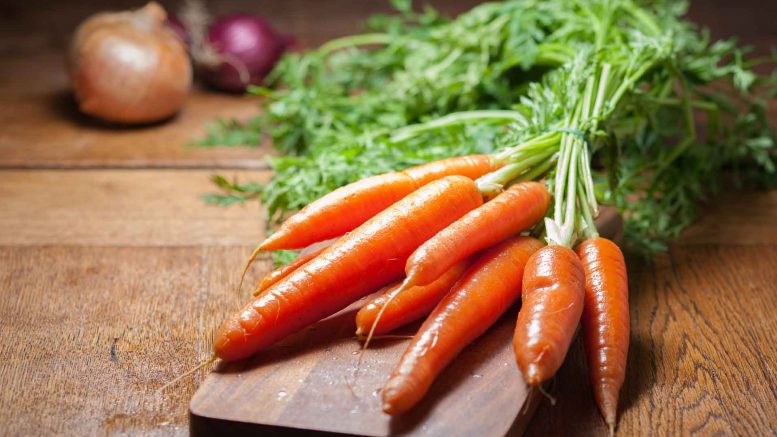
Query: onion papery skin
x: 129, y: 67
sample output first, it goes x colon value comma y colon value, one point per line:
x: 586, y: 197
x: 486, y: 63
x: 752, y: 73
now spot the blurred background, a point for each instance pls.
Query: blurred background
x: 34, y: 85
x: 47, y: 24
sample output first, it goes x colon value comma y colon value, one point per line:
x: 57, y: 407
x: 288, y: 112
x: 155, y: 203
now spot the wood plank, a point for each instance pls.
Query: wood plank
x: 702, y: 349
x: 122, y: 208
x: 736, y: 218
x: 42, y: 127
x: 311, y: 382
x: 88, y: 334
x: 721, y: 300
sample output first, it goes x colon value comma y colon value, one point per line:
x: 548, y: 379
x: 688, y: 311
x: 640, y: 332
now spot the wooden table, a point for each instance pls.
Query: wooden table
x: 114, y: 273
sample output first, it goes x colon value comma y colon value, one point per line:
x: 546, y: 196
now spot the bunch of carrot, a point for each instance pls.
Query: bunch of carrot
x: 459, y: 241
x: 458, y: 253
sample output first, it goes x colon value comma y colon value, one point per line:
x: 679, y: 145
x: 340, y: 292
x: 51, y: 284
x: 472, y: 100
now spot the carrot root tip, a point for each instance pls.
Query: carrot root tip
x: 387, y: 405
x: 550, y: 398
x: 250, y: 262
x: 401, y: 288
x: 210, y: 360
x: 608, y: 405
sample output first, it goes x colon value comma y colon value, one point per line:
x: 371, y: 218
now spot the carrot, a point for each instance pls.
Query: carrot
x: 344, y: 209
x: 553, y: 290
x: 357, y: 264
x: 340, y: 211
x: 405, y: 306
x: 471, y: 166
x: 481, y: 296
x: 605, y: 321
x: 512, y: 211
x: 284, y: 270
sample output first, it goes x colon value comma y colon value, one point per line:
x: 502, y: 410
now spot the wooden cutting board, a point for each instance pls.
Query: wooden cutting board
x: 314, y: 381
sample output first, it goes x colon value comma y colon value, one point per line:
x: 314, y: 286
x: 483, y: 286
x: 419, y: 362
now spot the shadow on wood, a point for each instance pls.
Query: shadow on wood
x: 337, y: 328
x: 63, y: 105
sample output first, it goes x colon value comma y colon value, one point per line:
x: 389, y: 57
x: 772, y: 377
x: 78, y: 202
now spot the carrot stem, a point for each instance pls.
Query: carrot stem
x: 453, y: 119
x: 589, y: 228
x: 512, y: 171
x: 352, y: 41
x: 539, y: 170
x: 541, y: 142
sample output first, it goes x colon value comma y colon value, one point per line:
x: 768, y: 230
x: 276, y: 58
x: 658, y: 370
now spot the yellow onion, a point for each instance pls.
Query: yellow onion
x: 129, y: 67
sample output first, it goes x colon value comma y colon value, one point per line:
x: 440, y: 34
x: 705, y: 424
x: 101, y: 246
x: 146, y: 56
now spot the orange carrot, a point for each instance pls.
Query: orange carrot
x: 472, y: 166
x: 512, y: 211
x: 357, y: 264
x: 481, y: 296
x: 605, y: 321
x: 553, y: 290
x: 340, y: 211
x: 284, y: 270
x: 344, y: 209
x: 405, y: 306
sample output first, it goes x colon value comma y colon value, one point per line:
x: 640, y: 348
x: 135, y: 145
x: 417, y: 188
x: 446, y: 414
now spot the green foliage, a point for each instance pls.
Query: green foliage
x: 381, y: 101
x: 230, y: 133
x: 232, y: 192
x: 283, y: 257
x: 665, y: 167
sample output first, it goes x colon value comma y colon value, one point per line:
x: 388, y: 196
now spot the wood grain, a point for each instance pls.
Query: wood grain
x: 122, y: 208
x: 736, y: 218
x: 90, y: 333
x: 314, y: 381
x: 42, y: 127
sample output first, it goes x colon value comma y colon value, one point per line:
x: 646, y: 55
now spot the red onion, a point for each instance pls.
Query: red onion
x: 246, y: 47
